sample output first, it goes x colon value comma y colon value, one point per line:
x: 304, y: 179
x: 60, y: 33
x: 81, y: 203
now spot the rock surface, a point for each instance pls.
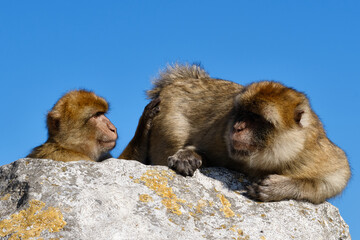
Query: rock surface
x: 118, y: 199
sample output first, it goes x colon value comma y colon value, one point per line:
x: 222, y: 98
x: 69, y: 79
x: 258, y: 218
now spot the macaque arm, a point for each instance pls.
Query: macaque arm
x: 138, y: 146
x: 279, y: 187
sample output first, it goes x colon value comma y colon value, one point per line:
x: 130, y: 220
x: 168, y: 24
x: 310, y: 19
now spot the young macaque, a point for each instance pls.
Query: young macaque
x: 78, y: 129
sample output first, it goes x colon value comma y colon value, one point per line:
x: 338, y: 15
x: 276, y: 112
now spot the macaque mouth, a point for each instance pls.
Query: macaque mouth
x: 242, y: 146
x: 108, y: 143
x: 240, y: 153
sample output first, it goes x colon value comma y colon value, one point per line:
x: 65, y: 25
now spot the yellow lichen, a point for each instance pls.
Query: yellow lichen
x: 31, y: 222
x: 233, y: 228
x: 226, y: 206
x: 201, y: 204
x: 145, y: 198
x: 158, y: 182
x: 247, y: 237
x: 171, y: 220
x: 241, y: 235
x: 198, y: 208
x: 6, y: 197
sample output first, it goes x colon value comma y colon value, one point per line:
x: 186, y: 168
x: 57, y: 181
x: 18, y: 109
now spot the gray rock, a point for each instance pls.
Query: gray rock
x: 118, y: 199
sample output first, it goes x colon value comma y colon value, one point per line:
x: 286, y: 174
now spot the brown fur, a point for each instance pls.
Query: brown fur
x: 78, y: 129
x: 265, y: 130
x: 137, y: 149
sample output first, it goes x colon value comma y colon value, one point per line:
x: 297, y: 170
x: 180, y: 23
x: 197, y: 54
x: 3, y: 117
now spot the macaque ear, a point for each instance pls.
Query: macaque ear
x: 53, y: 122
x: 298, y: 116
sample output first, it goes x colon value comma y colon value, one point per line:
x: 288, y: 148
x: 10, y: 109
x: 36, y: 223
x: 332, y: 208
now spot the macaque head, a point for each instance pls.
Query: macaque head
x: 268, y: 121
x: 78, y: 122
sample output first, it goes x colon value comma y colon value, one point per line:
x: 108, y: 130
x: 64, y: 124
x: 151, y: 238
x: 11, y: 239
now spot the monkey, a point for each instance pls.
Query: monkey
x: 137, y: 148
x: 78, y: 129
x: 266, y: 130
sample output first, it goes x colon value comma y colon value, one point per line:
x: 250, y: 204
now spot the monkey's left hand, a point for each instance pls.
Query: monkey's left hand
x: 272, y: 188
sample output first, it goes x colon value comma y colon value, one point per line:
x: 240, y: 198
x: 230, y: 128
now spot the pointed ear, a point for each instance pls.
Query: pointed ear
x: 297, y: 117
x: 303, y: 113
x: 53, y: 122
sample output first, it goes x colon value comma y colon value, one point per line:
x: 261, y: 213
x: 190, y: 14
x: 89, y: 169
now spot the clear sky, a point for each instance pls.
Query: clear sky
x: 115, y: 48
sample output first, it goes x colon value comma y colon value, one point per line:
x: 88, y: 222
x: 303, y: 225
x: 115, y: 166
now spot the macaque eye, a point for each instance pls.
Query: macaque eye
x: 252, y: 117
x: 256, y: 118
x: 98, y: 114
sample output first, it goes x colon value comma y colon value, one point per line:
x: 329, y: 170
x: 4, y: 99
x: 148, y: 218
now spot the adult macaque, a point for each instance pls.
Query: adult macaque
x: 266, y: 130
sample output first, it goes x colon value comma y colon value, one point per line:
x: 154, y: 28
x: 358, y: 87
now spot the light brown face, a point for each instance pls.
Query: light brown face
x: 105, y: 132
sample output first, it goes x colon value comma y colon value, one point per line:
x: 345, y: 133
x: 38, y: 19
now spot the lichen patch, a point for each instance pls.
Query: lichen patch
x: 158, y: 182
x: 6, y: 197
x: 31, y: 222
x: 145, y: 198
x: 226, y: 206
x: 198, y: 208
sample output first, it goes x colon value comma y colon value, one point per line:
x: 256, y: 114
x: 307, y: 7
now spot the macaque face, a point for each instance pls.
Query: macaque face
x: 104, y: 131
x: 248, y: 134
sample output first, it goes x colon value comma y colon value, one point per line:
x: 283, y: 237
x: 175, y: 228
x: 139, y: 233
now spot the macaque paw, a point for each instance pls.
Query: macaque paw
x: 185, y: 162
x: 272, y: 188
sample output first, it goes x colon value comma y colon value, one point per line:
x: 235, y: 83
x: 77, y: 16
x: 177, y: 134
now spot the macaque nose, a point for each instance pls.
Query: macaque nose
x: 112, y: 127
x: 109, y: 124
x: 239, y: 126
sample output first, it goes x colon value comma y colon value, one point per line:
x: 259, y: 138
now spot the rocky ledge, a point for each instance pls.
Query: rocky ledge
x: 120, y: 199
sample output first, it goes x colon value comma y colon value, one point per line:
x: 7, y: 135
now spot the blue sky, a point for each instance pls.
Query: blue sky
x: 115, y: 48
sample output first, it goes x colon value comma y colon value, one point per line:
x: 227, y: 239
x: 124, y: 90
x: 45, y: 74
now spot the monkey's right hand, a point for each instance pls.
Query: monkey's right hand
x: 185, y: 162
